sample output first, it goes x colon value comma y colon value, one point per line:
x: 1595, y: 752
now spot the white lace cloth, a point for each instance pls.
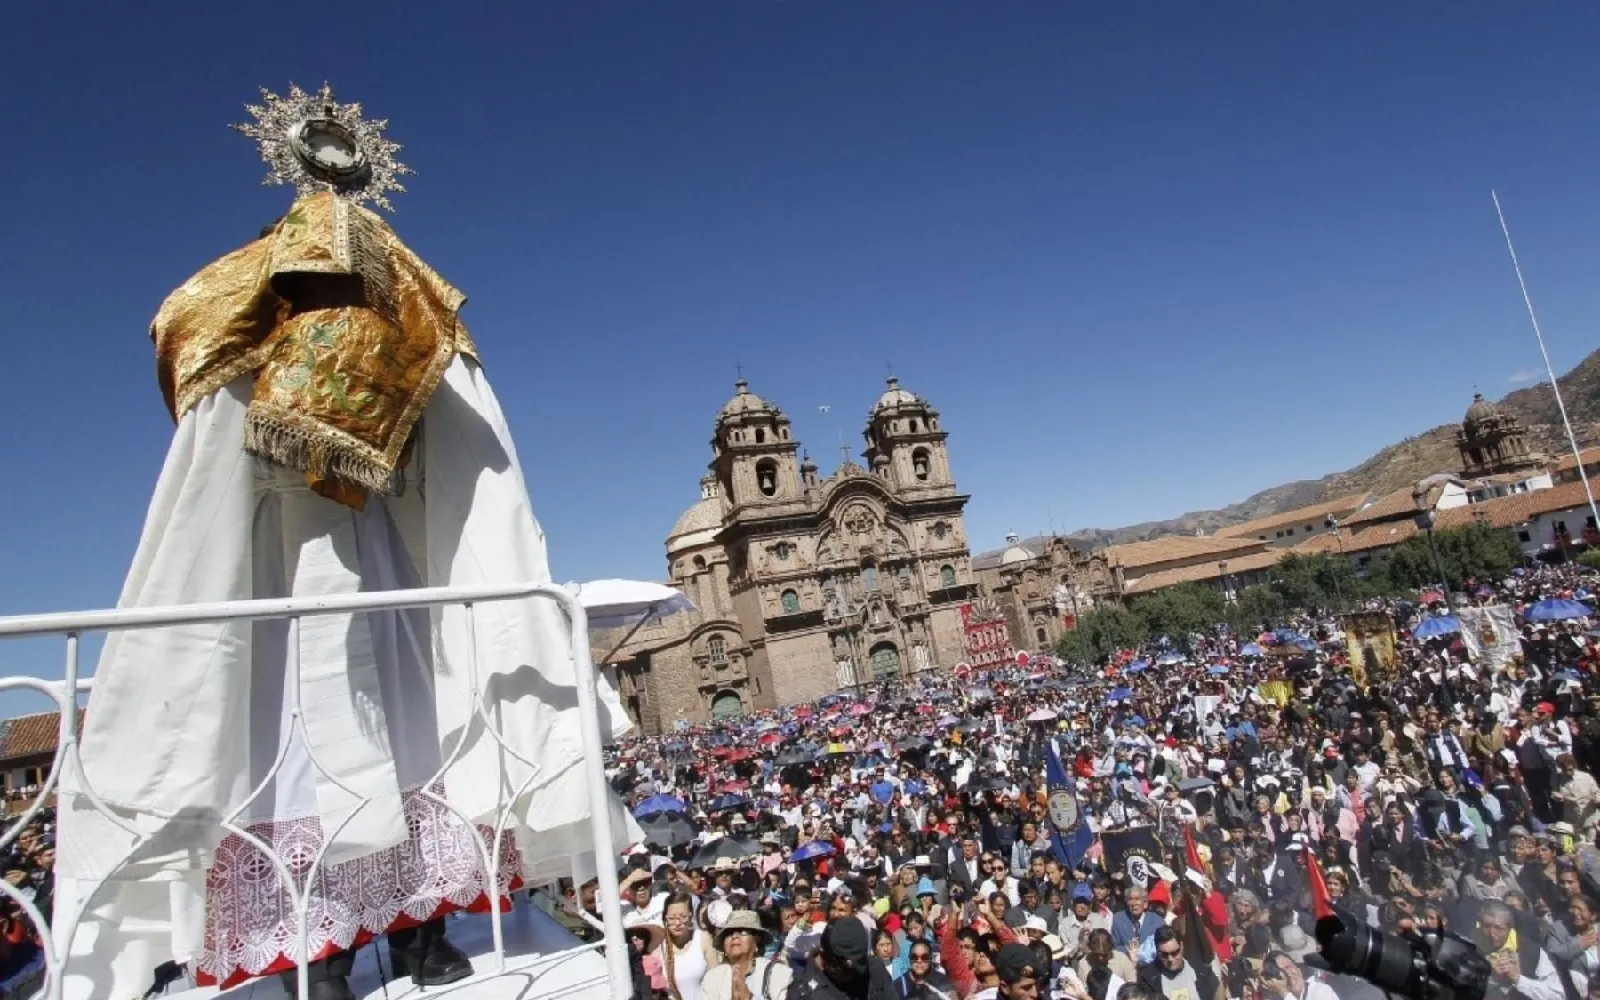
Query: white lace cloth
x: 251, y: 926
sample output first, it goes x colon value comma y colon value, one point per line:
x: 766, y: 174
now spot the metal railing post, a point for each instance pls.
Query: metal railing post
x: 609, y: 890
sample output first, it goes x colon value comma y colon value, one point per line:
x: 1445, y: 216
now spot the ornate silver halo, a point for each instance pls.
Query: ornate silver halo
x: 317, y: 144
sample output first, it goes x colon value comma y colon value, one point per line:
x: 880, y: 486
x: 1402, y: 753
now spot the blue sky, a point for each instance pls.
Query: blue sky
x: 1145, y: 258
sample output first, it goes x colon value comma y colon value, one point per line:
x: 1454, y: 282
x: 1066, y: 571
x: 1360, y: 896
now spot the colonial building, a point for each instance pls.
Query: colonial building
x: 1040, y: 588
x: 804, y: 584
x: 1492, y: 443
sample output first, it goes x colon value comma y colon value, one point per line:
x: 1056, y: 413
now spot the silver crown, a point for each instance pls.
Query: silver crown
x: 317, y: 144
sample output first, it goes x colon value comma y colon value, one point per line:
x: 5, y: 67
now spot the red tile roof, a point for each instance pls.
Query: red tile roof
x: 1171, y: 548
x: 1387, y: 507
x: 31, y: 735
x: 1501, y: 512
x: 1301, y: 515
x: 1204, y: 571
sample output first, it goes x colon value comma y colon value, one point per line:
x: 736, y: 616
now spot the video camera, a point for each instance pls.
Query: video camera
x: 1432, y: 965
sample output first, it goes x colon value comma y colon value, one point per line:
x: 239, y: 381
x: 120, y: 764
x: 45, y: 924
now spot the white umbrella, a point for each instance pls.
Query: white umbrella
x: 613, y: 603
x: 1041, y: 715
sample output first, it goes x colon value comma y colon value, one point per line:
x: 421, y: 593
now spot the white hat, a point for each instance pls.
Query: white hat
x: 1035, y: 923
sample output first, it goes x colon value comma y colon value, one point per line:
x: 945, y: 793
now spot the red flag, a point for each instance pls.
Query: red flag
x: 1321, y: 905
x: 1191, y: 853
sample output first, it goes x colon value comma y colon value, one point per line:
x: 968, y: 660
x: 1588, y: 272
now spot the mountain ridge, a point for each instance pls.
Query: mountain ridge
x: 1388, y: 469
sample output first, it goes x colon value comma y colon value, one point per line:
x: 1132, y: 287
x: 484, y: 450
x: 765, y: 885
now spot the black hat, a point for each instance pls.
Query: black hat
x: 845, y: 942
x: 1016, y: 962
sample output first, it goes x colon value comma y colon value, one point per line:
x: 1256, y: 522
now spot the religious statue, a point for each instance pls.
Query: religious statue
x: 335, y: 434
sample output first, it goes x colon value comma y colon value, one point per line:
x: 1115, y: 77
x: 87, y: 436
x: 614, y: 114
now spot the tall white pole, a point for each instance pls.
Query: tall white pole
x: 1538, y: 334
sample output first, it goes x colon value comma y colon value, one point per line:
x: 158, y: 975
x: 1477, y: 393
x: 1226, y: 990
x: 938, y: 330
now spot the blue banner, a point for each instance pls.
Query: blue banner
x: 1070, y: 836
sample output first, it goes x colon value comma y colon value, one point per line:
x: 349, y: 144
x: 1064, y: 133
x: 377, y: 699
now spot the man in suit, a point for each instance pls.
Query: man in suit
x: 964, y: 868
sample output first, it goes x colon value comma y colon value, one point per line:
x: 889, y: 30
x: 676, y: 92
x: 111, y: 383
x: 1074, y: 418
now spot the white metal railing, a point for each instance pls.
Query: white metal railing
x: 73, y: 625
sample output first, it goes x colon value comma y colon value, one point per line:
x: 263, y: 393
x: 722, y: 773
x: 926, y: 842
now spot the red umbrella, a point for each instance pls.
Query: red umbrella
x: 743, y: 753
x: 768, y: 739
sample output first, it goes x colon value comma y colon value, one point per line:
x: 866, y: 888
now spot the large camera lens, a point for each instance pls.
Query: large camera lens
x: 1387, y: 961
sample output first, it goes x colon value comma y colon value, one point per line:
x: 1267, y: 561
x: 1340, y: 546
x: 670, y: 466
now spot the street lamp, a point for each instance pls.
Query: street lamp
x: 1332, y: 524
x: 1425, y: 520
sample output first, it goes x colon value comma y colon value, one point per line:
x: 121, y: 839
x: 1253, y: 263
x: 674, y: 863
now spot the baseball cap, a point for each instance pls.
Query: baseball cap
x: 844, y: 941
x: 1083, y: 892
x: 1016, y: 962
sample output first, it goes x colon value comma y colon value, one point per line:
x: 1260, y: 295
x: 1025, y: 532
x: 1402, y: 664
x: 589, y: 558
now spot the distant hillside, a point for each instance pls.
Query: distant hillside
x: 1397, y: 465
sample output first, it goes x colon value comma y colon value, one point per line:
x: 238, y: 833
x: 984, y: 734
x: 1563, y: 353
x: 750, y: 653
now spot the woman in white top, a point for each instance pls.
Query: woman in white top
x: 686, y: 954
x: 745, y: 975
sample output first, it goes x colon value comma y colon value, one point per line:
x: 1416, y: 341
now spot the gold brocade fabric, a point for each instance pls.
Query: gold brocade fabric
x: 347, y: 331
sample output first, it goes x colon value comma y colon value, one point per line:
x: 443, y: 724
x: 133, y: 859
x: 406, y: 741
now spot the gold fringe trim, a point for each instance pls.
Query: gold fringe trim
x: 295, y: 448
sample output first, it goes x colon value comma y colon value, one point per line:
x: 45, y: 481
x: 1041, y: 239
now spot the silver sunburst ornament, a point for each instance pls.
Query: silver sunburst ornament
x: 317, y: 144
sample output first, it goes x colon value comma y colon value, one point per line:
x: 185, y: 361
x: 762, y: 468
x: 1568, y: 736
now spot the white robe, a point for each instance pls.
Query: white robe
x: 185, y: 722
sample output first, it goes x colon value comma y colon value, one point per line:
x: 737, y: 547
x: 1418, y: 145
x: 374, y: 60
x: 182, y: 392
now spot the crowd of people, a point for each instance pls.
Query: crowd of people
x: 27, y: 864
x: 1148, y: 827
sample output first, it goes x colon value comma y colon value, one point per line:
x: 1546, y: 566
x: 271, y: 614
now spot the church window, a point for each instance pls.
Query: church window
x: 761, y: 436
x: 791, y: 602
x: 903, y: 576
x: 869, y: 577
x: 699, y: 564
x: 913, y: 426
x: 919, y: 463
x: 718, y: 648
x: 767, y: 477
x: 947, y: 576
x: 1043, y: 639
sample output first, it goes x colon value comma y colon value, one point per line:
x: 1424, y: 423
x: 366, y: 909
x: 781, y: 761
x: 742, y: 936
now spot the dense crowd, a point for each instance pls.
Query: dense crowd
x: 27, y: 864
x: 1147, y: 827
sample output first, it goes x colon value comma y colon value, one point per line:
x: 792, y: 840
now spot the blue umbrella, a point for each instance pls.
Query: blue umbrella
x: 1168, y: 659
x: 815, y: 849
x: 1119, y: 694
x: 1252, y: 649
x: 1138, y: 666
x: 657, y: 804
x: 1216, y: 671
x: 1432, y: 628
x: 723, y: 803
x: 1555, y: 609
x: 1306, y: 644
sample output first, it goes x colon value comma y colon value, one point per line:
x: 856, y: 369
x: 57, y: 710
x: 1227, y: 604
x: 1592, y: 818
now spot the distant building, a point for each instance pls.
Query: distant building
x: 1566, y: 469
x: 1292, y: 527
x: 27, y: 753
x: 1492, y: 443
x: 1041, y: 587
x: 804, y: 585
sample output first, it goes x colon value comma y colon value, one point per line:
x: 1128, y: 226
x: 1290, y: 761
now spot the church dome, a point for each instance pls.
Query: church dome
x: 1015, y: 554
x: 1481, y: 410
x: 744, y: 401
x: 700, y: 523
x: 895, y: 396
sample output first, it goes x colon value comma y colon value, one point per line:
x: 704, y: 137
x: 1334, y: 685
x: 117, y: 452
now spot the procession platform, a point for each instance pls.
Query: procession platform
x: 542, y: 961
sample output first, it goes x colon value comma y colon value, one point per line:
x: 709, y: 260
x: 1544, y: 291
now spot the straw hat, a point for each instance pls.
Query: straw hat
x: 654, y: 934
x: 742, y: 920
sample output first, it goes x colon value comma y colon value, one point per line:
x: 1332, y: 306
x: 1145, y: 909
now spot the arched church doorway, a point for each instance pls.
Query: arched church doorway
x: 885, y: 662
x: 726, y: 706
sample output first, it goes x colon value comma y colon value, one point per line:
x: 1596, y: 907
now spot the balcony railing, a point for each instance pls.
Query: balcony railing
x: 65, y: 692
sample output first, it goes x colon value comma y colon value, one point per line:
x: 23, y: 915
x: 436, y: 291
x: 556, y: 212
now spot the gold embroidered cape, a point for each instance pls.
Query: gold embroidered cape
x: 347, y: 331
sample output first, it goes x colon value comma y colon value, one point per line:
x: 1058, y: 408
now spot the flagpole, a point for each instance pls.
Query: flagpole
x: 1527, y: 300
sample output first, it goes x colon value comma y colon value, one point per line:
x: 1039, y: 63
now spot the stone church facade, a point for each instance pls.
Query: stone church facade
x: 804, y: 585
